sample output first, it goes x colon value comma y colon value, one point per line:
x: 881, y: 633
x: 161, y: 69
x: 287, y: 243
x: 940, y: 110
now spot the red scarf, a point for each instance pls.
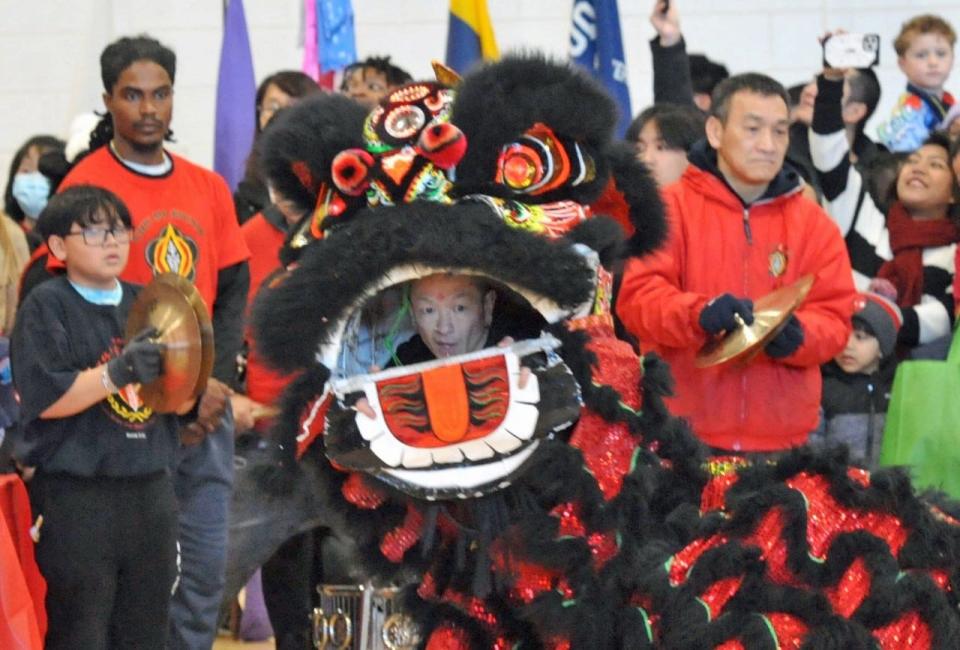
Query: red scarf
x: 908, y: 238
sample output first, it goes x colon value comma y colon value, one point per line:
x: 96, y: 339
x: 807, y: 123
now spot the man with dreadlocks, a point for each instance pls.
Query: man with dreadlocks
x: 184, y: 222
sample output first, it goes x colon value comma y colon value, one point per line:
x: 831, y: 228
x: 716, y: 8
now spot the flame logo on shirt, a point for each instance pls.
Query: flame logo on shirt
x: 128, y: 406
x: 125, y: 405
x: 173, y: 252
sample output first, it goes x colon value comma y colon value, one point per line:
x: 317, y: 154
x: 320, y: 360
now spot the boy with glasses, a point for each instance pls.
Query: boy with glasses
x: 103, y: 488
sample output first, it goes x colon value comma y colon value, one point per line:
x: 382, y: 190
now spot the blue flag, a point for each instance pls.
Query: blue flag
x: 336, y: 44
x: 596, y: 44
x: 236, y: 98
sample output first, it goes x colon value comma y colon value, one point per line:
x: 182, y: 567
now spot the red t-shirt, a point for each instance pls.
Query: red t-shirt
x: 183, y: 221
x: 264, y: 239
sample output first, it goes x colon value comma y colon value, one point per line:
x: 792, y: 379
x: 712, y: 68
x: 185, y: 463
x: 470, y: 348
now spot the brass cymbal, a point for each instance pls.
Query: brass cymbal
x: 770, y: 314
x: 164, y: 306
x: 206, y: 326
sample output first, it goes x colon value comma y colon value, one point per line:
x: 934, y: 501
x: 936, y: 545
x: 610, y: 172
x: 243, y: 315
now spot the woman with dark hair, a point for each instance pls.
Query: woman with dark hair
x: 24, y: 197
x: 27, y: 188
x: 662, y: 135
x: 276, y: 92
x: 911, y: 247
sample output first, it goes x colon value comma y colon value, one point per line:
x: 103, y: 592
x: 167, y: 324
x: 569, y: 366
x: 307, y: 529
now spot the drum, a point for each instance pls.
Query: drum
x: 362, y: 617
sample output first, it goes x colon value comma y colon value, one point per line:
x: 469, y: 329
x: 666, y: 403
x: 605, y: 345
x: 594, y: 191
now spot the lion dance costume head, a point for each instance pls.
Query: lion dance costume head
x: 569, y: 510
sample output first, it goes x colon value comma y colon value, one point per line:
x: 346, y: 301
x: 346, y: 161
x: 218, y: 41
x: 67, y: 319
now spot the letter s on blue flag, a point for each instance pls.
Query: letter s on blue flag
x: 596, y: 44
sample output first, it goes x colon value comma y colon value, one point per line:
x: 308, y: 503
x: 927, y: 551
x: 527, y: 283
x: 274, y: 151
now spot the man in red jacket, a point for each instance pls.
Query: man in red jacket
x: 739, y: 229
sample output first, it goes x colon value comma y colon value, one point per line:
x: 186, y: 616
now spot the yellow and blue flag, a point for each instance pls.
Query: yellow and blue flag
x: 596, y: 44
x: 470, y: 35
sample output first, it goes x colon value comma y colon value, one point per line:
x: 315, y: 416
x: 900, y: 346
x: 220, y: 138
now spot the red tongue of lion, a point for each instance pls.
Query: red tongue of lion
x: 446, y: 396
x: 448, y: 405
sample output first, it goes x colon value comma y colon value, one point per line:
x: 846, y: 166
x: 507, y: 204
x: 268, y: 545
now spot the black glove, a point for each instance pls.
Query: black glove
x: 718, y: 315
x: 787, y: 341
x: 140, y: 362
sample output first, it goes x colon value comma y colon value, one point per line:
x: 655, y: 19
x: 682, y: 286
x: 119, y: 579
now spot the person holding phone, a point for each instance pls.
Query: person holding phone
x: 679, y: 78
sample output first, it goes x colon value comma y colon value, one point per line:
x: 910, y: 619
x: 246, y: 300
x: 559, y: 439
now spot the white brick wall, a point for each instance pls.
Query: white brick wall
x: 49, y: 49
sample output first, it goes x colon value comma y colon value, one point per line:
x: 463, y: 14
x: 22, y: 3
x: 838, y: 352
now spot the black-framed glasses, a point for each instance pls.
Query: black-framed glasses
x: 98, y: 236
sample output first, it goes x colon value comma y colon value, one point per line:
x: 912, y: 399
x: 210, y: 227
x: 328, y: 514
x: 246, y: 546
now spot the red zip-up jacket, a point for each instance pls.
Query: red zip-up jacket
x: 718, y: 245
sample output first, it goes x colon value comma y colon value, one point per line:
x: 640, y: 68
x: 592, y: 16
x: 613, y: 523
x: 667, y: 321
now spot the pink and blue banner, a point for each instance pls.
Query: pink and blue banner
x: 329, y: 42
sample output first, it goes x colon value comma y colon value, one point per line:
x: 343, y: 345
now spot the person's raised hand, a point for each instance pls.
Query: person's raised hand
x: 667, y: 23
x: 525, y: 372
x: 140, y: 362
x: 362, y: 405
x: 720, y: 314
x: 833, y: 74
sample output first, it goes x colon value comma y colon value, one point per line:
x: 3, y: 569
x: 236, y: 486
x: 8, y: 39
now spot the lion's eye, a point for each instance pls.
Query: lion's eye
x: 404, y: 122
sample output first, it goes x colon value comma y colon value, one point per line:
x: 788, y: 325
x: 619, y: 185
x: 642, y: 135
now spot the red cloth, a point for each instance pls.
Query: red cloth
x: 183, y: 222
x: 264, y: 239
x: 766, y: 404
x: 35, y: 257
x: 23, y: 619
x: 613, y: 204
x: 908, y: 238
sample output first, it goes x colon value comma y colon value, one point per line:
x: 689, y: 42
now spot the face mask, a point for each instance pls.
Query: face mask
x: 31, y: 191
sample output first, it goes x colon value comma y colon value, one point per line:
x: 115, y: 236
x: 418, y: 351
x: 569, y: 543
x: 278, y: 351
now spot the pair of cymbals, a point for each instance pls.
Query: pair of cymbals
x: 174, y: 307
x: 770, y: 316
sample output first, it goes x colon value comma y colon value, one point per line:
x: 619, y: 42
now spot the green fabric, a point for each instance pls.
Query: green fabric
x: 923, y: 422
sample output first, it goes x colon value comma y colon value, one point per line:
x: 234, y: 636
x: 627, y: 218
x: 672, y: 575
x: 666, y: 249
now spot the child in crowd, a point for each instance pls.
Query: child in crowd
x: 370, y: 80
x: 925, y: 55
x: 857, y: 383
x: 107, y: 511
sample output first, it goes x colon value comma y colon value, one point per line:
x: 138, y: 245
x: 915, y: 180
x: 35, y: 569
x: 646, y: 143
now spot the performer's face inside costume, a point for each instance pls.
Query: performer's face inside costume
x: 452, y: 313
